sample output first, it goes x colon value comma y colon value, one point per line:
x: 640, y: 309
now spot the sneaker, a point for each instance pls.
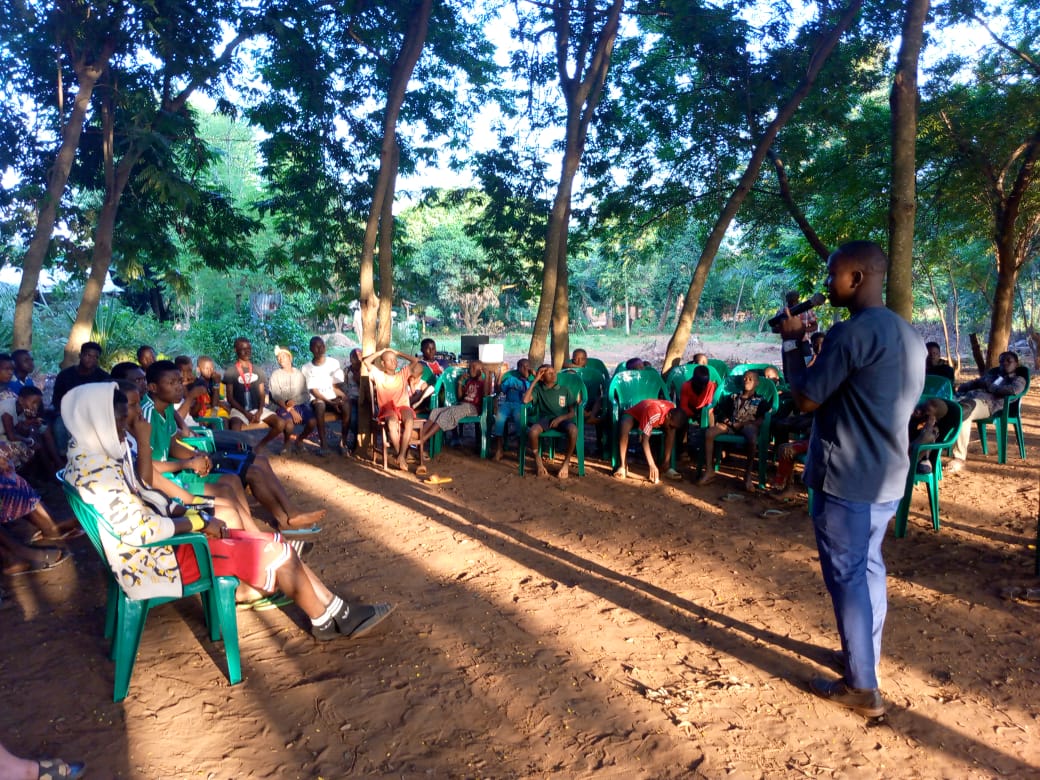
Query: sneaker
x: 924, y: 467
x: 358, y: 620
x: 325, y: 632
x: 865, y: 701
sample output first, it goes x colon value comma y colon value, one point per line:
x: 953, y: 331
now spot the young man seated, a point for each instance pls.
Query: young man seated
x: 695, y: 395
x: 246, y: 390
x: 428, y: 348
x: 391, y: 387
x: 419, y: 390
x: 554, y: 407
x: 645, y: 416
x: 84, y: 372
x: 292, y: 402
x: 470, y: 394
x: 510, y: 401
x: 737, y: 413
x: 936, y: 365
x: 324, y: 376
x: 170, y: 456
x: 982, y: 398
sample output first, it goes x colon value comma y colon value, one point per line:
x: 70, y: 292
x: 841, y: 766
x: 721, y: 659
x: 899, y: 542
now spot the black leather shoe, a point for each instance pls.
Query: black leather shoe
x: 865, y: 701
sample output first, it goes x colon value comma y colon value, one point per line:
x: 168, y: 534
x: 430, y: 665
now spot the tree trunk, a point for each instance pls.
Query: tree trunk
x: 902, y: 206
x: 386, y: 260
x: 582, y: 93
x: 57, y: 178
x: 116, y: 178
x: 681, y: 336
x: 1003, y: 307
x: 400, y: 75
x: 976, y: 351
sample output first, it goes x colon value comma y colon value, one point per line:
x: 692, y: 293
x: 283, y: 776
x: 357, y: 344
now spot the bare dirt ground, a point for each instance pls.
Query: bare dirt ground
x: 573, y: 629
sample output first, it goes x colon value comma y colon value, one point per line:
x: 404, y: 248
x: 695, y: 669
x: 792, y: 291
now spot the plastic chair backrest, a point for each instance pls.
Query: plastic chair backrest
x: 628, y: 388
x: 720, y: 366
x: 764, y: 388
x: 575, y: 383
x: 595, y: 382
x: 936, y: 386
x: 1013, y: 407
x: 741, y: 368
x: 599, y: 365
x: 89, y: 519
x: 678, y: 376
x: 445, y: 392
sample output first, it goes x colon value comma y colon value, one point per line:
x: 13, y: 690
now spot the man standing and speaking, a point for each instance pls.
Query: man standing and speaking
x: 862, y: 388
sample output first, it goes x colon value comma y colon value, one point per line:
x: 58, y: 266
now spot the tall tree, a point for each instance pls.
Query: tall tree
x: 584, y: 36
x: 984, y: 133
x: 81, y: 39
x: 824, y: 44
x: 903, y: 192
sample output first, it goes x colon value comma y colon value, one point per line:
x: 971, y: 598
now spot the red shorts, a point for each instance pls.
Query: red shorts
x: 252, y: 557
x: 392, y: 412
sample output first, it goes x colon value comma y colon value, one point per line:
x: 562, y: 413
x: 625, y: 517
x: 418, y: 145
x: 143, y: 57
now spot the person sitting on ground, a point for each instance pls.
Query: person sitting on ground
x: 22, y: 427
x: 24, y: 366
x: 101, y: 470
x: 246, y: 390
x: 470, y: 392
x: 324, y: 376
x: 169, y: 455
x: 428, y: 348
x: 924, y: 429
x: 84, y: 372
x: 145, y: 356
x: 419, y: 390
x: 510, y: 402
x: 982, y: 398
x: 936, y: 365
x: 737, y: 413
x: 554, y: 407
x: 391, y: 387
x: 293, y: 401
x: 645, y: 416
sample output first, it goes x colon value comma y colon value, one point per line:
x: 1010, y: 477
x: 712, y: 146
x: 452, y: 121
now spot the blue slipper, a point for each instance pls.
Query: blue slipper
x: 314, y: 529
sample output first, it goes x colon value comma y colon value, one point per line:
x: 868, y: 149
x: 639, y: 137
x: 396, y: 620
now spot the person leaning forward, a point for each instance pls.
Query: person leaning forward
x: 554, y: 408
x: 862, y: 388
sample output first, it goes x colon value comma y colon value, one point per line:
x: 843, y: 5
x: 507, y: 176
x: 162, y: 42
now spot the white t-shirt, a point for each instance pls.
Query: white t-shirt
x: 323, y: 378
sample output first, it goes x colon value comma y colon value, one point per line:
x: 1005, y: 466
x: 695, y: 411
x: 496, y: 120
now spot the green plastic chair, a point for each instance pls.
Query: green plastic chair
x: 628, y: 388
x: 576, y: 385
x: 720, y: 366
x: 767, y: 390
x: 932, y: 479
x: 1011, y: 413
x: 596, y: 385
x: 680, y: 375
x: 742, y: 368
x: 599, y: 365
x: 125, y: 617
x: 445, y: 393
x: 936, y: 386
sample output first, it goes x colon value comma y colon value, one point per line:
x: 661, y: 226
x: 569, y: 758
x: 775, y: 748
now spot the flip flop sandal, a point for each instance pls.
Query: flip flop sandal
x: 56, y: 769
x: 733, y: 497
x: 314, y: 529
x: 774, y: 513
x: 435, y: 480
x: 265, y: 603
x: 38, y: 566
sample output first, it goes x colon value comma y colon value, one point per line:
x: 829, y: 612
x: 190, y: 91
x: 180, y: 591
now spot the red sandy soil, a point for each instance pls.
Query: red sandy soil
x: 572, y: 629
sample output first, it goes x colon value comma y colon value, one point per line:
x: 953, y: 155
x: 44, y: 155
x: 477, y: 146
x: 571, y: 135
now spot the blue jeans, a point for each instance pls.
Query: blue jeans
x: 848, y: 537
x: 507, y: 410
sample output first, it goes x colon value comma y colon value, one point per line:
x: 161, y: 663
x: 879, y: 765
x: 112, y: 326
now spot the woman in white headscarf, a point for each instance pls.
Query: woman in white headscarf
x: 101, y: 469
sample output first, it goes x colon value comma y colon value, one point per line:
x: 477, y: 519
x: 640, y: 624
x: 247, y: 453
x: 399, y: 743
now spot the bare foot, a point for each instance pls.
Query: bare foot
x: 402, y: 462
x: 542, y: 471
x: 498, y: 454
x: 422, y: 471
x: 564, y: 471
x: 620, y: 474
x: 709, y: 476
x: 305, y: 520
x: 749, y: 484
